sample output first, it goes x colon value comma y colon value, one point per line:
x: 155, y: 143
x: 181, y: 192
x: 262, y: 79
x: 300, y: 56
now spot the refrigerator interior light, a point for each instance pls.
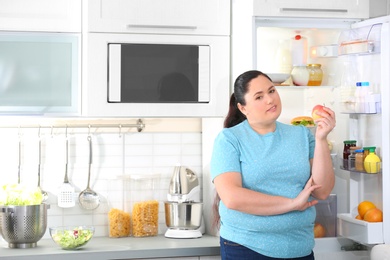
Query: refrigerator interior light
x: 324, y: 51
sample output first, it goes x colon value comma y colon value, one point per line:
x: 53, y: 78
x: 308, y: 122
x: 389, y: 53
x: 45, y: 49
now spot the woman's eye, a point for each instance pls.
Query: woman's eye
x: 259, y: 97
x: 272, y: 91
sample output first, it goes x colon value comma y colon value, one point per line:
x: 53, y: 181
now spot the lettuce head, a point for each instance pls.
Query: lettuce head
x: 20, y: 195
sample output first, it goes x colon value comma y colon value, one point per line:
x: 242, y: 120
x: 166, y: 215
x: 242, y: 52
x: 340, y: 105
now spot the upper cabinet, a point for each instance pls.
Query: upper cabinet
x: 40, y: 15
x: 200, y: 17
x: 352, y: 9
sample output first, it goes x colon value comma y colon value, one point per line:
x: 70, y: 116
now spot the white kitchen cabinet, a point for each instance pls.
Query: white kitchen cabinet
x: 201, y: 17
x: 40, y: 15
x: 317, y: 8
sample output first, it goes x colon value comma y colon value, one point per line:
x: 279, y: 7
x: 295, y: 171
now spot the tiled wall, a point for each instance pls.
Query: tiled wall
x: 114, y: 154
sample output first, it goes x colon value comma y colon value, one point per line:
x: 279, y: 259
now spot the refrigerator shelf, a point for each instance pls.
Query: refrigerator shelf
x: 359, y: 230
x: 345, y: 165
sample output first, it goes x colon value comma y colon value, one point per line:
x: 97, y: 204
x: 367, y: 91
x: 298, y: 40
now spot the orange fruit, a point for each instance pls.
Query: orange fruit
x: 365, y: 206
x: 358, y: 217
x: 374, y: 215
x: 319, y: 230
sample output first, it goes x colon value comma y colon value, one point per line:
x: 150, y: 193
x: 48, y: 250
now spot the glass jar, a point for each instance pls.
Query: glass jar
x: 359, y: 160
x: 300, y: 75
x: 346, y: 152
x: 315, y: 74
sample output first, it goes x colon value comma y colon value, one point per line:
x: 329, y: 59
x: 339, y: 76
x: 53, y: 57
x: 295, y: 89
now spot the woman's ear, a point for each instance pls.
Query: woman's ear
x: 242, y: 109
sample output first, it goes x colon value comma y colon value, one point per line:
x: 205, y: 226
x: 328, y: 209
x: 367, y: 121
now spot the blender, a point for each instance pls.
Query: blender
x: 183, y: 209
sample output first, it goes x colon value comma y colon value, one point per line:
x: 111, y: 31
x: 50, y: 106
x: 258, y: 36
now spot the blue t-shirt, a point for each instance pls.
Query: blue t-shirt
x: 276, y: 163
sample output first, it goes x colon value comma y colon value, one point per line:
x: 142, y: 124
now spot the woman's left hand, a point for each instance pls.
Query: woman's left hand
x: 326, y: 123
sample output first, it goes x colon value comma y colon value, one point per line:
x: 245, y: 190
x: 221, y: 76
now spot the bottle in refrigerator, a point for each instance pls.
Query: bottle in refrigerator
x: 346, y: 152
x: 299, y: 50
x: 283, y: 58
x: 348, y: 86
x: 372, y: 163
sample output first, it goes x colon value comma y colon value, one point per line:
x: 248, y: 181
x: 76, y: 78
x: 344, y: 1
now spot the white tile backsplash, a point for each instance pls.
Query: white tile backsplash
x: 113, y: 155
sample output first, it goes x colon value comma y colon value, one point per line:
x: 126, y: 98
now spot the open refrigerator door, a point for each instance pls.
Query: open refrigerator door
x: 359, y: 51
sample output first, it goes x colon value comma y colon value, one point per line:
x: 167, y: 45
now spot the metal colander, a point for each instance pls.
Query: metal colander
x: 23, y: 226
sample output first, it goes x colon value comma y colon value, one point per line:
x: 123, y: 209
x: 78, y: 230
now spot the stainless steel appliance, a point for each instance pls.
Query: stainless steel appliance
x: 183, y: 210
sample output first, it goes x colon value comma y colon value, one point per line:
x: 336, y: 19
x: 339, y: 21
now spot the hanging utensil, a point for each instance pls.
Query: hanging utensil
x: 88, y: 198
x: 45, y: 196
x: 19, y: 159
x: 66, y: 195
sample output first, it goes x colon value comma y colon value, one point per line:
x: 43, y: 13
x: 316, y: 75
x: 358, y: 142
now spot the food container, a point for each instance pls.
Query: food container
x: 315, y: 74
x: 23, y: 226
x: 119, y: 217
x: 300, y: 75
x: 327, y: 216
x: 143, y: 193
x: 72, y: 237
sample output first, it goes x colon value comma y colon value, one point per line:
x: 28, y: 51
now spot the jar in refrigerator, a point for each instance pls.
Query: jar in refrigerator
x: 359, y: 160
x: 352, y: 158
x: 346, y: 152
x: 300, y: 75
x: 315, y: 74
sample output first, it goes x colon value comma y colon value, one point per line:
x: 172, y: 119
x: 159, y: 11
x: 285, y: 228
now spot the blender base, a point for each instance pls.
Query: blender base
x: 183, y: 233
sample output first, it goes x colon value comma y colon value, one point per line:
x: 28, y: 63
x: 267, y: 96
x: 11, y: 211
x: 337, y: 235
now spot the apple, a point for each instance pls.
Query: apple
x: 317, y: 108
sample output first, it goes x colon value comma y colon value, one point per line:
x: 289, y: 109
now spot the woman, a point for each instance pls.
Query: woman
x: 266, y: 173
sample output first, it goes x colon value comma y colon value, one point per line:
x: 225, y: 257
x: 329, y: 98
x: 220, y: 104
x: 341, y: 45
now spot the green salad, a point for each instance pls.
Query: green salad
x: 71, y: 238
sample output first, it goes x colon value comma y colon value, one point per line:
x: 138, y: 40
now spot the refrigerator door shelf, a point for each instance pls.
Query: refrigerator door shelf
x: 359, y: 230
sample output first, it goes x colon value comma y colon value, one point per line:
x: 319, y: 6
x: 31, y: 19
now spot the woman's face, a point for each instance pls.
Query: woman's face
x: 263, y: 105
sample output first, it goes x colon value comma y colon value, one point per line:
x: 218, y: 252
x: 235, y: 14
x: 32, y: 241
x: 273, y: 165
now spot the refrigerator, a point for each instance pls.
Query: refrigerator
x: 349, y: 51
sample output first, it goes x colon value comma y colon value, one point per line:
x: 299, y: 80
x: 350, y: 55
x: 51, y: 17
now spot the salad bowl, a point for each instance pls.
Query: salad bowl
x: 71, y: 237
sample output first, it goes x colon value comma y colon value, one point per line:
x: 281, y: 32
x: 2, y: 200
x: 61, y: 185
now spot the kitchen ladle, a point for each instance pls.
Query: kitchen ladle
x: 45, y: 195
x: 88, y: 198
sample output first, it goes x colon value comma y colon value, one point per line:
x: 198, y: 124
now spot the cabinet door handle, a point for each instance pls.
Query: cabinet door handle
x: 313, y: 10
x: 157, y: 26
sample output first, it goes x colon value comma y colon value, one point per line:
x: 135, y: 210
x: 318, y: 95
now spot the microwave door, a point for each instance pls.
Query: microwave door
x: 158, y: 73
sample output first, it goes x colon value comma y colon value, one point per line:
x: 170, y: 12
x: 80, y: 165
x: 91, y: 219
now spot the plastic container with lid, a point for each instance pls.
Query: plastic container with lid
x: 143, y: 193
x: 315, y: 74
x: 372, y: 163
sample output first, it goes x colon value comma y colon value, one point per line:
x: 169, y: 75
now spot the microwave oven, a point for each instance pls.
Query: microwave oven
x: 40, y: 73
x: 151, y: 75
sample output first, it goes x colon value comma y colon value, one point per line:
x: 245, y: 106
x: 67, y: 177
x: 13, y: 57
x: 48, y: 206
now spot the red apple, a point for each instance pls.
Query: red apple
x: 317, y: 108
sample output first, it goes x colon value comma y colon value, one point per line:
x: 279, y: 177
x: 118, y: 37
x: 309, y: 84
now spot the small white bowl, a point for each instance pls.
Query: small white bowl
x: 278, y: 77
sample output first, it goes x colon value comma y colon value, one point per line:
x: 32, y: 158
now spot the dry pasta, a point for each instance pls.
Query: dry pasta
x: 119, y: 223
x: 145, y: 218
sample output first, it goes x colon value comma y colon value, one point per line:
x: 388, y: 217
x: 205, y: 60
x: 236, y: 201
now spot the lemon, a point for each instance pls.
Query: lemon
x: 372, y: 162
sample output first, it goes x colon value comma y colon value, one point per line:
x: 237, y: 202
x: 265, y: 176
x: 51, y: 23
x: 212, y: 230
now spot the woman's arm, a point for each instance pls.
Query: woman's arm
x: 234, y: 196
x: 322, y: 167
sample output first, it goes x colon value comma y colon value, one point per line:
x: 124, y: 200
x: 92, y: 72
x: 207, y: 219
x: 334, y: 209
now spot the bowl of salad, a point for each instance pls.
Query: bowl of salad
x: 71, y: 237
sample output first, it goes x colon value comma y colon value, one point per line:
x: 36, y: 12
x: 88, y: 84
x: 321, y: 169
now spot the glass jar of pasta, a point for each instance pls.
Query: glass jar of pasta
x: 143, y: 196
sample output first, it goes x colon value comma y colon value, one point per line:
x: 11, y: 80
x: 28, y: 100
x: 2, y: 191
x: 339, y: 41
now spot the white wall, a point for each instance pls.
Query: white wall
x: 156, y: 150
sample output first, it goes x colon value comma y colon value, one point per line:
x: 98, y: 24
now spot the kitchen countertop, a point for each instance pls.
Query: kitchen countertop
x: 102, y: 248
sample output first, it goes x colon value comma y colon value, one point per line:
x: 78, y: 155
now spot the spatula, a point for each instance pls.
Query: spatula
x: 66, y: 195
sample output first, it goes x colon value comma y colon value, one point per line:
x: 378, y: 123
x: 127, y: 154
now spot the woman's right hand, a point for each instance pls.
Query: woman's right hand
x: 301, y: 202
